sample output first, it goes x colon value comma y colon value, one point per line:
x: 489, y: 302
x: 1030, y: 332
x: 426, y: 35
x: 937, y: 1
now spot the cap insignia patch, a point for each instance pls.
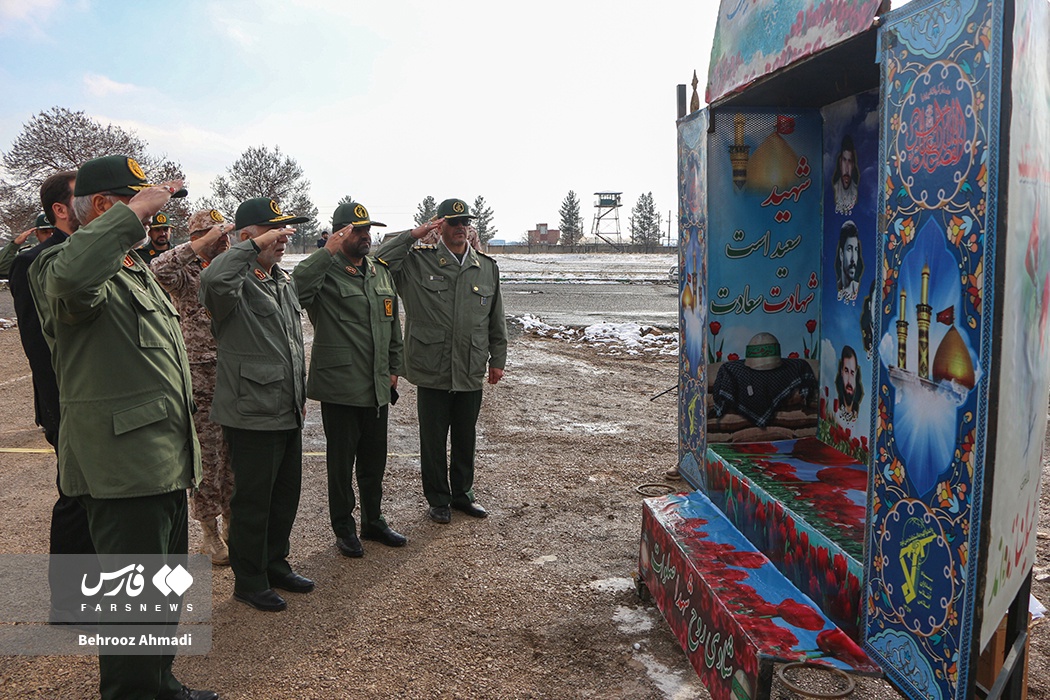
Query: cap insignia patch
x: 360, y: 212
x: 216, y: 216
x: 135, y: 169
x: 458, y: 207
x: 161, y: 219
x: 275, y: 208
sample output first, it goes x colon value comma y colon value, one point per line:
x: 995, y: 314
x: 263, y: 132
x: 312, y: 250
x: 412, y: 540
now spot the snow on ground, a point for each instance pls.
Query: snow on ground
x: 607, y: 338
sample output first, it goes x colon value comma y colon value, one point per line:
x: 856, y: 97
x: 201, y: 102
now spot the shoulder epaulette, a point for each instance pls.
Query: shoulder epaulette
x: 481, y: 252
x: 426, y: 246
x: 382, y: 262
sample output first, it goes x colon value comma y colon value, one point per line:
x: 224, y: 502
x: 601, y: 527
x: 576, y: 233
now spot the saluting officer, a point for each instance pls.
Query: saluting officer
x: 259, y: 398
x: 159, y: 238
x: 356, y: 356
x: 454, y: 329
x: 21, y: 243
x: 127, y: 446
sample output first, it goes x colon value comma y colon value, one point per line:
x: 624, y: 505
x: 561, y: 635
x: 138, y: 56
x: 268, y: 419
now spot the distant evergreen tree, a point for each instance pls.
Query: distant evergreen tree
x: 645, y: 223
x: 425, y: 211
x: 571, y: 222
x: 486, y: 231
x: 346, y: 199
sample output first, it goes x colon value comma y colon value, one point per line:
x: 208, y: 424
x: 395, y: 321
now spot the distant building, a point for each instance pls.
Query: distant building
x: 542, y: 234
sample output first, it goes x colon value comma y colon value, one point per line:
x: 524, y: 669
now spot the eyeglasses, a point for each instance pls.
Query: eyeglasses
x: 463, y: 221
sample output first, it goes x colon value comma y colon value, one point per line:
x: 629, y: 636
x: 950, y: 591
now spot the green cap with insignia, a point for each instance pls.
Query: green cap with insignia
x: 160, y: 220
x: 116, y: 174
x: 454, y: 209
x: 42, y: 222
x: 352, y: 214
x: 261, y: 211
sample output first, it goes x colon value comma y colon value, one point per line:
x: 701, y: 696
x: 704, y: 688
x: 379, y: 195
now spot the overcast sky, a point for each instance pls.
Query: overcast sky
x: 386, y: 101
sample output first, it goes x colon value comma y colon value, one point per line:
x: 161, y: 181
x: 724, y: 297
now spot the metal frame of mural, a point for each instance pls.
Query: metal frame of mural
x: 692, y: 295
x: 941, y: 89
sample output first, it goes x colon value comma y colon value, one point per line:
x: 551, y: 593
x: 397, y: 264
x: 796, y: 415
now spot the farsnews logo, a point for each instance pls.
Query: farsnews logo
x: 130, y: 580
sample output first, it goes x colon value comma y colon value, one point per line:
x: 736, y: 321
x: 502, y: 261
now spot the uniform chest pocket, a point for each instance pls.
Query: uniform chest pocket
x: 353, y: 306
x: 481, y: 297
x: 152, y: 320
x: 262, y: 304
x: 259, y: 390
x: 434, y: 283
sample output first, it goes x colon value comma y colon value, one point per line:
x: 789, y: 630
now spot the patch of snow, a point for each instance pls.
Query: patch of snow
x: 632, y: 621
x: 612, y: 585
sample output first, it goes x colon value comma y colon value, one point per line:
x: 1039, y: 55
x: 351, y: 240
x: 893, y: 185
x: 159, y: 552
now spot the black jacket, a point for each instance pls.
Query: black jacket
x: 45, y: 387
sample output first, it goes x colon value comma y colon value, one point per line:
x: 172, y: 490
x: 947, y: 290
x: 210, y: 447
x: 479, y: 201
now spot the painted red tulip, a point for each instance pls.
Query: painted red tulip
x: 811, y: 325
x: 733, y: 357
x: 837, y: 644
x: 715, y: 327
x: 800, y: 615
x: 793, y: 355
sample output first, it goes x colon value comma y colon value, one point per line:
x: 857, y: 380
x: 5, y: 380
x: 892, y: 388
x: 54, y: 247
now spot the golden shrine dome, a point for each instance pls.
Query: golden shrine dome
x: 772, y: 165
x: 952, y: 360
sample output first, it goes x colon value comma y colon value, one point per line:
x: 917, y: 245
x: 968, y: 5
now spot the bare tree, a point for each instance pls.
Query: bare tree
x: 262, y: 172
x: 61, y: 139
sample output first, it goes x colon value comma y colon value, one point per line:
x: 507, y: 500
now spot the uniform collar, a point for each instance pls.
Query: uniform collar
x: 470, y: 258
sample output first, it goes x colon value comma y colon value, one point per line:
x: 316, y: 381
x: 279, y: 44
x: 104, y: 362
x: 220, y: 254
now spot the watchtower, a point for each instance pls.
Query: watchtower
x: 606, y: 224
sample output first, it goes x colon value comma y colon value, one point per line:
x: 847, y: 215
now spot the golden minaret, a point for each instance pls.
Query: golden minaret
x: 923, y: 312
x: 902, y: 333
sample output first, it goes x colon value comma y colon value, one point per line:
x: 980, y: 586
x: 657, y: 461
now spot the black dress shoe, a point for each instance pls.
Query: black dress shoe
x: 267, y: 601
x: 293, y: 583
x: 385, y: 536
x: 350, y: 546
x: 440, y: 514
x: 189, y: 694
x: 472, y: 509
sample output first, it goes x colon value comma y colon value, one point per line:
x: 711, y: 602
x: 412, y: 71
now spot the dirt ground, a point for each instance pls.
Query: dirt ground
x: 536, y: 601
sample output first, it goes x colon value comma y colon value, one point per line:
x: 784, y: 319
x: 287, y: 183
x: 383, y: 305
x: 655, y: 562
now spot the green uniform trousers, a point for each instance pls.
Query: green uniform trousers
x: 141, y: 525
x: 443, y: 415
x: 355, y: 433
x: 267, y: 476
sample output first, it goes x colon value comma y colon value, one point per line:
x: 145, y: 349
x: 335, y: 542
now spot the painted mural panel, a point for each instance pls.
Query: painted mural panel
x: 692, y: 295
x: 764, y: 290
x: 1025, y: 359
x: 851, y: 187
x: 936, y: 258
x: 754, y: 38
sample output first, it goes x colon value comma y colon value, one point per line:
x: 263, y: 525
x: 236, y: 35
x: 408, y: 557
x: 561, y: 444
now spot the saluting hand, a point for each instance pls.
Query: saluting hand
x: 269, y: 239
x: 426, y: 228
x: 152, y: 199
x: 335, y: 242
x: 24, y: 236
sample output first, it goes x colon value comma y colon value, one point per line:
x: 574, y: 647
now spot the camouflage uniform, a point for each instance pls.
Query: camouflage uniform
x: 178, y: 270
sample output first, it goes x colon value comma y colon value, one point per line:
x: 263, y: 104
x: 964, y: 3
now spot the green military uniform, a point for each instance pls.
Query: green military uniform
x: 148, y: 253
x: 8, y: 254
x: 454, y: 331
x: 259, y: 399
x: 127, y: 445
x: 356, y: 348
